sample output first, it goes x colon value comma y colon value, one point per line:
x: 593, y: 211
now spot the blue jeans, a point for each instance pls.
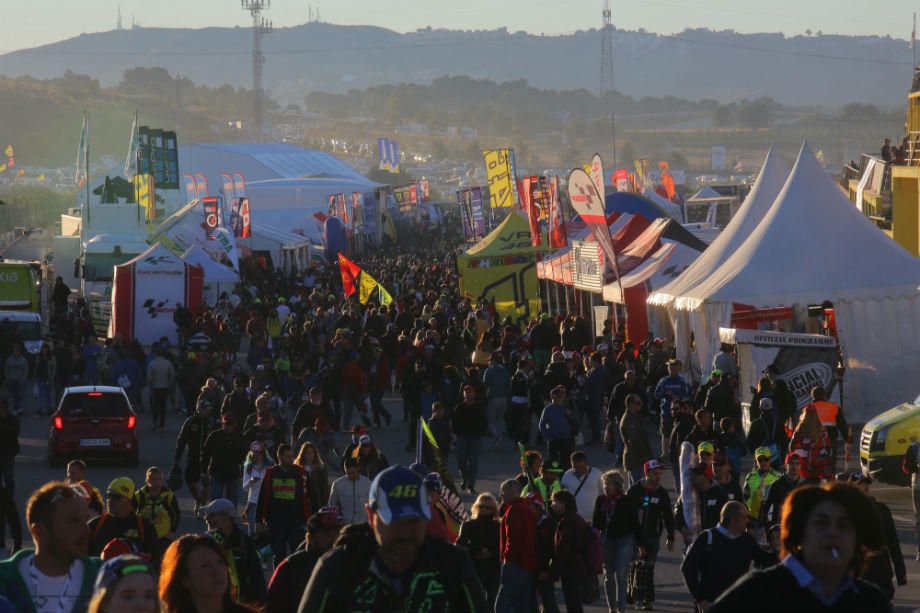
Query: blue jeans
x: 617, y: 555
x: 15, y: 390
x: 44, y: 395
x: 516, y: 590
x: 228, y: 489
x: 468, y: 458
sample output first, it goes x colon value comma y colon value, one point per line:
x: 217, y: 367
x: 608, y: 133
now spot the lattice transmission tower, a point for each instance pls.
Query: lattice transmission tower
x: 260, y: 26
x: 607, y: 50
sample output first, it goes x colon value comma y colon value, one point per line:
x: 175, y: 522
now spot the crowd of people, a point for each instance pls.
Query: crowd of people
x: 277, y: 393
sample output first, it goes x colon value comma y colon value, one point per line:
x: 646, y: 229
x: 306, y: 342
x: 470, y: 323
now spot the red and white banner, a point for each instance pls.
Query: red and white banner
x: 597, y: 176
x: 245, y: 222
x: 191, y: 191
x: 557, y: 234
x: 211, y: 208
x: 201, y: 186
x: 533, y: 216
x: 589, y: 205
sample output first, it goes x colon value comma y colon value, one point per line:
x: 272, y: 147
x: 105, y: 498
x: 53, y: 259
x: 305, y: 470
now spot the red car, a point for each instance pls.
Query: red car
x: 93, y: 422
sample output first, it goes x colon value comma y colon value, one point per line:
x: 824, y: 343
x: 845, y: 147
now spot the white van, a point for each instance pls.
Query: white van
x: 28, y: 326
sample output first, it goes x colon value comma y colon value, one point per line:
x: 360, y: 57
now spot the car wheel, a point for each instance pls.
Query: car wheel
x: 134, y: 458
x: 54, y: 460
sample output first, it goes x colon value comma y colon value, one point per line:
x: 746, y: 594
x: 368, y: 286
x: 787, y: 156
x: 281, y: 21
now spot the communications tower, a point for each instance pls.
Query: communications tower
x: 607, y: 51
x: 260, y: 26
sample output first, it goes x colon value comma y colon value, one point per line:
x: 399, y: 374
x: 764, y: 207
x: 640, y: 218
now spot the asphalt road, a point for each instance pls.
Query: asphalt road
x: 157, y: 448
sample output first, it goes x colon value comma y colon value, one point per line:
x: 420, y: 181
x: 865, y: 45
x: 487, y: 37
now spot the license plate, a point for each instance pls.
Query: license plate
x: 95, y: 442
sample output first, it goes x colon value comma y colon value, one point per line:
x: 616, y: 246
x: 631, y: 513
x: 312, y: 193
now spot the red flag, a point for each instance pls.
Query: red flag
x: 350, y: 272
x: 533, y: 215
x: 245, y: 223
x: 557, y: 235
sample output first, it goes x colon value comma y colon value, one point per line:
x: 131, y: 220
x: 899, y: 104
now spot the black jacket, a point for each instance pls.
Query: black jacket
x: 442, y: 580
x: 617, y: 404
x: 290, y: 580
x: 624, y: 520
x: 469, y: 419
x: 879, y: 564
x: 772, y: 505
x: 714, y: 562
x: 248, y: 565
x: 478, y: 534
x: 222, y: 455
x: 131, y: 528
x: 775, y: 589
x: 655, y: 512
x: 683, y: 424
x: 193, y: 434
x: 760, y: 435
x: 9, y: 435
x: 697, y: 435
x: 720, y: 400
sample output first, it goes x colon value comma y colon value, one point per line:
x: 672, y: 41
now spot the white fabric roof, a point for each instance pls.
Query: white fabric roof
x: 767, y: 187
x: 707, y: 193
x: 214, y: 272
x: 812, y: 245
x: 674, y: 211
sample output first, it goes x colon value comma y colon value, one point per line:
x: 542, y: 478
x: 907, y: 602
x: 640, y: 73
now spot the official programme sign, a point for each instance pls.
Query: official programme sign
x: 587, y: 266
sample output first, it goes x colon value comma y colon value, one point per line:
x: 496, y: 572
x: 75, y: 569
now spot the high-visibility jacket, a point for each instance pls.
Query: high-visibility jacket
x: 755, y: 489
x: 827, y: 412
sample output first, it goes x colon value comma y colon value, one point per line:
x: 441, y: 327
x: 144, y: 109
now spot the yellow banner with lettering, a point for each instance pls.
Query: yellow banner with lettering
x: 498, y: 174
x: 145, y: 195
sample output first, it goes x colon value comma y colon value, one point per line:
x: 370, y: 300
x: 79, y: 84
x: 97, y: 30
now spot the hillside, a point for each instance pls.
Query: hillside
x: 695, y: 64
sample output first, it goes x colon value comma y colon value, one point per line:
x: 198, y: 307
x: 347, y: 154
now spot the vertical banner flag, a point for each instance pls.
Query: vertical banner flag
x: 498, y: 175
x: 425, y: 187
x: 226, y: 186
x: 340, y: 209
x: 477, y: 213
x: 191, y: 191
x: 531, y: 210
x: 393, y: 147
x: 512, y: 165
x: 131, y: 160
x: 145, y: 195
x: 588, y: 204
x: 201, y: 185
x: 239, y: 186
x: 413, y: 194
x: 597, y: 176
x: 80, y: 178
x: 356, y: 215
x: 466, y: 215
x: 211, y: 221
x: 245, y: 222
x: 228, y: 244
x: 557, y: 234
x: 331, y: 210
x: 383, y: 154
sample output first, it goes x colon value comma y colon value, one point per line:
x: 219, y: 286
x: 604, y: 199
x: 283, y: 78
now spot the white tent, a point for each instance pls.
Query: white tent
x: 812, y: 246
x: 184, y: 228
x: 765, y: 190
x: 217, y: 277
x: 707, y: 194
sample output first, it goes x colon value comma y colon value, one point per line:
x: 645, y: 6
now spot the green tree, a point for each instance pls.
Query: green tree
x: 723, y: 116
x: 756, y: 114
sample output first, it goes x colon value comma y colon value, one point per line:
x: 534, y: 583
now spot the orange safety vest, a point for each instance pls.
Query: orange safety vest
x: 827, y: 412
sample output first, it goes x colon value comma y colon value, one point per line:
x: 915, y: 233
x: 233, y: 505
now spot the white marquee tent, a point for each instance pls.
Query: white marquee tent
x: 217, y: 277
x: 765, y: 190
x: 811, y: 246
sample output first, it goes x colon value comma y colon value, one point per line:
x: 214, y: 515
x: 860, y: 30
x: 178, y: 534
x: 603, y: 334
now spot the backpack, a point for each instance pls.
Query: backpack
x: 105, y: 516
x: 594, y: 551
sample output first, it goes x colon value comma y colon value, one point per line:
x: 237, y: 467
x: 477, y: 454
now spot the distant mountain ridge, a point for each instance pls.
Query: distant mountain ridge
x: 826, y: 70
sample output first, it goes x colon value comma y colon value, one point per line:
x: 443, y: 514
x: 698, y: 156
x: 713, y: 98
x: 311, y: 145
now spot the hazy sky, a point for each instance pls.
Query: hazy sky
x: 27, y: 24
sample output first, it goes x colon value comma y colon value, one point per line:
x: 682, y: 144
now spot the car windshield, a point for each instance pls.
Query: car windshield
x: 28, y: 330
x: 94, y: 404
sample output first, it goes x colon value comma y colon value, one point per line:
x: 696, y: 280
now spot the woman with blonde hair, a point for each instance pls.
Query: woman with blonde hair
x: 125, y: 584
x: 317, y: 476
x: 480, y: 536
x: 812, y: 444
x: 254, y: 467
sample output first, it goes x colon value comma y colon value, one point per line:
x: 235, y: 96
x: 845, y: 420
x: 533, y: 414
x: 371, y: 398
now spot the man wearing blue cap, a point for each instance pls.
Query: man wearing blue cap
x: 390, y: 563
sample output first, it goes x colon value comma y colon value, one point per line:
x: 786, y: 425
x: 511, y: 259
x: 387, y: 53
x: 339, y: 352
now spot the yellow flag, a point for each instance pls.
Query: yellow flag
x: 145, y: 195
x: 385, y: 298
x: 429, y: 435
x: 368, y: 284
x: 498, y: 175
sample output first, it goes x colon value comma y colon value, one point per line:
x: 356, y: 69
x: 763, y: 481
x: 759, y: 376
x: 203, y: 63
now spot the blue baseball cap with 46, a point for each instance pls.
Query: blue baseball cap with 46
x: 398, y: 493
